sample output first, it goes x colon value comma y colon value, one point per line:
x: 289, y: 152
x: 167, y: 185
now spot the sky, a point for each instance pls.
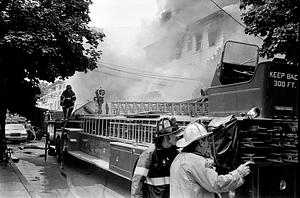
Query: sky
x: 120, y: 13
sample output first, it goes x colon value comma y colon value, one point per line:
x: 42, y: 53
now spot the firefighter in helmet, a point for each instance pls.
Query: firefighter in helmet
x: 151, y: 177
x: 67, y: 100
x: 192, y: 171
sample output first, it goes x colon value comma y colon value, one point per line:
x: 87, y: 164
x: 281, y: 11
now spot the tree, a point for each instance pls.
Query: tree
x: 42, y: 40
x: 277, y: 23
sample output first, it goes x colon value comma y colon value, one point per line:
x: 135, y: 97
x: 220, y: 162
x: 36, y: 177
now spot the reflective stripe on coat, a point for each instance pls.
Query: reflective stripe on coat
x: 67, y: 99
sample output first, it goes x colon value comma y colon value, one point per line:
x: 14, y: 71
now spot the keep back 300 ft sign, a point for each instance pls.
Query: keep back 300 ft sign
x: 284, y: 80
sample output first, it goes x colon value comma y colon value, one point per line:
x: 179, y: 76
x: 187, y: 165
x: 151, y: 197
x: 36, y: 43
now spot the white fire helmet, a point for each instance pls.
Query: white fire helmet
x: 191, y: 133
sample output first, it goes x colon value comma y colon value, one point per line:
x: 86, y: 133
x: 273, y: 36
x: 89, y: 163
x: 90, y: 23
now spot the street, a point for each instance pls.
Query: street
x: 77, y: 178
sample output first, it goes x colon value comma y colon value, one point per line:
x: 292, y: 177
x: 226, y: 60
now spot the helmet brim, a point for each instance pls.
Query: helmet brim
x: 170, y: 131
x: 183, y: 143
x: 181, y: 131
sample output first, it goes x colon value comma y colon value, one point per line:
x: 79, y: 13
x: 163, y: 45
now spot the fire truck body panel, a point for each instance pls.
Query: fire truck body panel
x: 272, y: 89
x: 114, y: 141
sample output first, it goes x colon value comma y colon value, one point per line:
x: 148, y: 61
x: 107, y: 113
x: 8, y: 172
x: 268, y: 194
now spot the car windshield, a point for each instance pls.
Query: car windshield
x: 14, y: 126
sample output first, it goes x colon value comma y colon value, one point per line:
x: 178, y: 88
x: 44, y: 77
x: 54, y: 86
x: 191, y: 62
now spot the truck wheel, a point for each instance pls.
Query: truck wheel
x: 51, y: 151
x: 65, y: 156
x: 58, y: 150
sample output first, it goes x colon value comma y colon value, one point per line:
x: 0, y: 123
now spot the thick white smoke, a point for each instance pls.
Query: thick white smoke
x: 127, y: 63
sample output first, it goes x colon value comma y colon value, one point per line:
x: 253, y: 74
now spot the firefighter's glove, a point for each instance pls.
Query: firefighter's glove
x: 244, y: 169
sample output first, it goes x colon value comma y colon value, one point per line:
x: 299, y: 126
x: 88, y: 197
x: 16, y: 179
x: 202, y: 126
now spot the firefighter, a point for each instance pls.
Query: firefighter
x: 67, y: 100
x: 151, y: 176
x: 31, y: 135
x: 192, y: 173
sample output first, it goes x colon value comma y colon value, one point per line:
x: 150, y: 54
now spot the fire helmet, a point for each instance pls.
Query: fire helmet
x: 167, y: 126
x: 191, y: 133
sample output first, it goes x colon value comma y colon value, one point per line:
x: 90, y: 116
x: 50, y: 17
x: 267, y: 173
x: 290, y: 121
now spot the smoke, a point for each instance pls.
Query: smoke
x: 137, y: 61
x: 119, y: 48
x: 188, y: 11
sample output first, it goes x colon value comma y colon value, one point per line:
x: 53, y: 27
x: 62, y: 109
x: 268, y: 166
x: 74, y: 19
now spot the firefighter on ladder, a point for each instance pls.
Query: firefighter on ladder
x: 67, y: 100
x: 151, y: 176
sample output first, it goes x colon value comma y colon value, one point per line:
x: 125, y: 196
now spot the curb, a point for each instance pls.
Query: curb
x: 21, y: 177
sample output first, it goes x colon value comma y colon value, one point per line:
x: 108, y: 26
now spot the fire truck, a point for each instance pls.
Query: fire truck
x: 251, y: 107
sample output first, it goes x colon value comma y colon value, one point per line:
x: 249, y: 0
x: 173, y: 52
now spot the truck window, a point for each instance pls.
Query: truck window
x: 238, y: 62
x: 240, y: 54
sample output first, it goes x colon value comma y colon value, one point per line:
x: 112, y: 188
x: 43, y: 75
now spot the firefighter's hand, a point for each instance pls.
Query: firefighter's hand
x: 244, y: 169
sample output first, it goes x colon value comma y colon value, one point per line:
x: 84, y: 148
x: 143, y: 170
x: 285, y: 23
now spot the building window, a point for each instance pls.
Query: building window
x: 213, y: 34
x: 179, y: 46
x: 189, y: 43
x: 198, y: 41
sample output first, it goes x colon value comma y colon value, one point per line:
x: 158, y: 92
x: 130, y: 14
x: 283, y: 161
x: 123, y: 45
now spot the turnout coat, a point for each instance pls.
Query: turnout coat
x: 193, y: 175
x: 151, y: 176
x: 67, y: 99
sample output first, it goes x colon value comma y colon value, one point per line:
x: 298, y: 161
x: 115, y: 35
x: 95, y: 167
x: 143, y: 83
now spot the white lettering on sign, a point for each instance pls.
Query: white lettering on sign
x: 279, y: 83
x: 282, y: 108
x: 277, y: 74
x: 284, y: 79
x: 292, y: 76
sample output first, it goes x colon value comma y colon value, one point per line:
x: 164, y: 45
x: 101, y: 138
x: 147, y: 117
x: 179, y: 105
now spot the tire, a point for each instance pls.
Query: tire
x: 7, y: 157
x: 65, y: 156
x: 58, y: 150
x: 51, y: 151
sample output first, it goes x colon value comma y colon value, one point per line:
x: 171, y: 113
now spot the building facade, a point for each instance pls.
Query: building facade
x: 51, y: 99
x: 199, y: 46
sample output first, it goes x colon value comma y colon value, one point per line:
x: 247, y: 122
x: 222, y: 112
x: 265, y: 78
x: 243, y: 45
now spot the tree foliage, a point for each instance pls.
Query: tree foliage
x: 43, y: 40
x: 277, y: 23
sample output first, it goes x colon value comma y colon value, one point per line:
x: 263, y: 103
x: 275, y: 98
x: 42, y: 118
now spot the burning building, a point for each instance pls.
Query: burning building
x: 195, y: 32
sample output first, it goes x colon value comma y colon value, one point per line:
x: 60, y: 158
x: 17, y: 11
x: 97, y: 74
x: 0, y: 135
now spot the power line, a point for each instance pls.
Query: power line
x: 137, y: 74
x: 124, y: 67
x: 231, y: 16
x: 134, y: 78
x: 144, y: 73
x: 134, y: 73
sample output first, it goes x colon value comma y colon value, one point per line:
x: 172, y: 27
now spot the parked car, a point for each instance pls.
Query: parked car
x: 15, y: 132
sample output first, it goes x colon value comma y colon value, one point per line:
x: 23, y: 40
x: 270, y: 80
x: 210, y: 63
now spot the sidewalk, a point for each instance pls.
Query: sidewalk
x: 12, y: 182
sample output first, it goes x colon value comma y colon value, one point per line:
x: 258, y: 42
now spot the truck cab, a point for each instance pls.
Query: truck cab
x: 241, y: 83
